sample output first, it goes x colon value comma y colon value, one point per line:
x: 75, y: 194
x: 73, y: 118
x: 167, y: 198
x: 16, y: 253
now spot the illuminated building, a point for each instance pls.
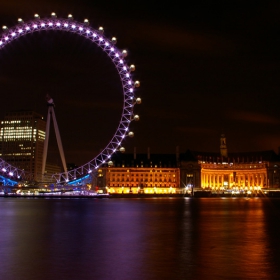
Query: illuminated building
x: 179, y: 173
x: 22, y: 141
x: 141, y: 173
x: 221, y: 171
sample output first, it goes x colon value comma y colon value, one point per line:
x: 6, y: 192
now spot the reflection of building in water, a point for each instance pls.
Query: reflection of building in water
x: 230, y: 170
x: 142, y: 173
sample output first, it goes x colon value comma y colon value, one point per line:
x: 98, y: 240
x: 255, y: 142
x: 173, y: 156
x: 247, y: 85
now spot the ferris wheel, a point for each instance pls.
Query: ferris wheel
x: 118, y: 58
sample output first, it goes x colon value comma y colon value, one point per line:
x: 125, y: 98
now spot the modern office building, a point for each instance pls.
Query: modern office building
x: 22, y: 141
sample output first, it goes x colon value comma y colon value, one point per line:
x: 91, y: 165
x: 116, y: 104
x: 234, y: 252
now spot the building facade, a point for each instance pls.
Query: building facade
x: 22, y: 141
x: 184, y: 172
x: 221, y: 171
x: 140, y: 173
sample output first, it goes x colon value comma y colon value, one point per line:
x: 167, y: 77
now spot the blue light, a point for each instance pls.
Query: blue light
x: 78, y: 180
x: 7, y: 182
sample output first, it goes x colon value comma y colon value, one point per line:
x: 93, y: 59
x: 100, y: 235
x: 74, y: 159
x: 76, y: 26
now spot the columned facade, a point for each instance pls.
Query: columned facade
x: 220, y: 171
x: 223, y: 176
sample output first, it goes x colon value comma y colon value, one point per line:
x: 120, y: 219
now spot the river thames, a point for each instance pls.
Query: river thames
x: 160, y: 238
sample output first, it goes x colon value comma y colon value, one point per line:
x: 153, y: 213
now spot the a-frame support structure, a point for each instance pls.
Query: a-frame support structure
x: 50, y: 115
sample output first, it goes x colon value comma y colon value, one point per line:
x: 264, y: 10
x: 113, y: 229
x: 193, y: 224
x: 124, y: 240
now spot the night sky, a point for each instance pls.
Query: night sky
x: 205, y: 68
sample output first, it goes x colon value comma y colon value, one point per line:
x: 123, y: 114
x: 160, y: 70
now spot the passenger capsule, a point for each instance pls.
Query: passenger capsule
x: 124, y: 53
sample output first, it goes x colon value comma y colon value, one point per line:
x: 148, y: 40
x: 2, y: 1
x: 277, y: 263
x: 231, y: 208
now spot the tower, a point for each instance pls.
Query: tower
x: 223, y: 146
x: 22, y: 140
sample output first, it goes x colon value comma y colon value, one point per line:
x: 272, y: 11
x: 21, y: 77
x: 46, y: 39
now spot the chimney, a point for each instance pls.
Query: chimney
x: 177, y: 153
x: 223, y: 146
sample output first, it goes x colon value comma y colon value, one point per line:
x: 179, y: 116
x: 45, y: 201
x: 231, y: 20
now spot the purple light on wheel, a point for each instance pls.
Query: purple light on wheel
x: 117, y: 58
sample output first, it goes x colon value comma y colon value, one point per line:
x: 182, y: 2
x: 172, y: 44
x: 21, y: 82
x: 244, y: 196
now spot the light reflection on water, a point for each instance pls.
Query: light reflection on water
x: 211, y: 238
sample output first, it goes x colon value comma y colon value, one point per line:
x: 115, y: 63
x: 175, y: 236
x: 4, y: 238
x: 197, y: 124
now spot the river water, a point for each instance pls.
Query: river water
x: 161, y: 238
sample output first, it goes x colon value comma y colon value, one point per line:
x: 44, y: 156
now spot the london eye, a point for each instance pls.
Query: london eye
x: 118, y: 58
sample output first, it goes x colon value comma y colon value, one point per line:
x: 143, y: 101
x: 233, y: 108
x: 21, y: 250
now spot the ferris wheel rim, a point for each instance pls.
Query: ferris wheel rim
x: 117, y: 57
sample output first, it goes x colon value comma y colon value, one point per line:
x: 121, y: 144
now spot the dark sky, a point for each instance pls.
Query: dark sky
x: 205, y: 68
